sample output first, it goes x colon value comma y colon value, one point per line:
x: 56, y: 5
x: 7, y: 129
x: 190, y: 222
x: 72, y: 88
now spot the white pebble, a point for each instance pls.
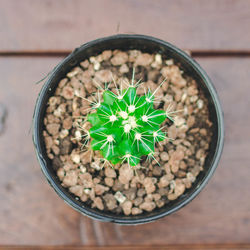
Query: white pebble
x: 119, y: 197
x: 200, y: 104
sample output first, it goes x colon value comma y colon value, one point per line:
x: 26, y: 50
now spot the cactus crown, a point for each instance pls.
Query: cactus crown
x: 126, y: 126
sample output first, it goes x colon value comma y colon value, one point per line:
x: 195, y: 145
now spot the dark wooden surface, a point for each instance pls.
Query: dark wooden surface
x: 30, y: 211
x: 63, y: 25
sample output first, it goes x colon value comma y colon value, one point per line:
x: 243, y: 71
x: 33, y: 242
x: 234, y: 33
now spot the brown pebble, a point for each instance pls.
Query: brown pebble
x: 144, y: 59
x: 138, y: 201
x: 70, y: 178
x: 127, y: 206
x: 136, y: 210
x: 119, y: 58
x: 98, y: 203
x: 148, y: 206
x: 77, y: 190
x: 110, y: 172
x: 109, y: 181
x: 164, y: 156
x: 110, y: 201
x: 100, y: 189
x: 68, y: 92
x: 53, y: 128
x: 126, y: 173
x: 149, y: 185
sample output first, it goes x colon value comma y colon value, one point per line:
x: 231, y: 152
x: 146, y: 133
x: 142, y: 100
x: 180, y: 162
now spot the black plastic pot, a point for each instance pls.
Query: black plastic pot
x: 145, y: 44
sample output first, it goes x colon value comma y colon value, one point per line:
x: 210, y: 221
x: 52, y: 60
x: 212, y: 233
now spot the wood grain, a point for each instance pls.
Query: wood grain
x: 32, y: 214
x: 50, y: 25
x: 169, y: 247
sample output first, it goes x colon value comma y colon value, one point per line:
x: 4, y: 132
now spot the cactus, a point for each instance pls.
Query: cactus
x: 126, y: 126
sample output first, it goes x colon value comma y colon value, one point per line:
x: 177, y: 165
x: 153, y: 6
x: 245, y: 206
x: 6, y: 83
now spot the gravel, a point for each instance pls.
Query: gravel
x: 121, y: 189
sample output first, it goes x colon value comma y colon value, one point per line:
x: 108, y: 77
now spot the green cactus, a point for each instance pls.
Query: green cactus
x: 126, y: 126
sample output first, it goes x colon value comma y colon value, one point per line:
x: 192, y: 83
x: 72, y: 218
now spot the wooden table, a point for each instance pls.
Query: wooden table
x: 36, y: 35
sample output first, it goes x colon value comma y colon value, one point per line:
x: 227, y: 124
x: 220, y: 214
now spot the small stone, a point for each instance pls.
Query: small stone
x: 106, y: 54
x: 200, y: 104
x: 179, y: 189
x: 148, y: 206
x: 149, y: 185
x: 199, y: 153
x: 126, y: 207
x: 100, y: 189
x: 86, y: 157
x: 160, y: 203
x: 138, y: 201
x: 85, y: 64
x: 65, y: 146
x: 144, y: 59
x: 191, y: 177
x: 55, y: 149
x: 98, y: 203
x: 67, y: 123
x: 95, y: 165
x: 64, y: 133
x: 164, y: 181
x: 141, y: 192
x: 164, y: 156
x: 119, y: 197
x: 61, y: 173
x: 53, y: 128
x: 172, y: 132
x: 70, y: 178
x: 68, y: 93
x: 118, y: 186
x: 110, y: 172
x: 110, y: 201
x: 119, y: 58
x: 109, y: 181
x: 77, y: 190
x: 156, y: 196
x: 104, y: 75
x: 178, y: 121
x: 130, y: 193
x: 124, y: 69
x: 86, y: 180
x: 75, y: 157
x: 125, y: 174
x: 136, y: 210
x: 157, y: 171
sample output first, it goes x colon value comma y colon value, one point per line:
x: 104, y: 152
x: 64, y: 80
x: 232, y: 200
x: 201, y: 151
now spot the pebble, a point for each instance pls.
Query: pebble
x: 138, y: 201
x: 148, y: 206
x: 149, y: 185
x: 110, y: 201
x: 109, y: 181
x: 125, y: 174
x: 86, y: 180
x: 130, y: 193
x: 136, y: 210
x: 164, y: 156
x: 68, y: 93
x: 164, y: 181
x: 98, y: 203
x: 127, y: 206
x: 119, y: 197
x: 100, y: 189
x: 144, y: 59
x: 104, y: 75
x: 110, y: 172
x: 70, y: 178
x: 119, y: 58
x: 141, y: 192
x: 53, y: 128
x: 77, y: 190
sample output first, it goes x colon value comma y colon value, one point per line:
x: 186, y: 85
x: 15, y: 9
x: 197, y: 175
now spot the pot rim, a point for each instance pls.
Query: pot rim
x: 128, y: 220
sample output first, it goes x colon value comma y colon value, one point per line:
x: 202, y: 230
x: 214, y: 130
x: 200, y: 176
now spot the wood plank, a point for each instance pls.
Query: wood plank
x: 221, y: 213
x: 32, y: 214
x: 169, y: 247
x: 54, y: 25
x: 30, y: 211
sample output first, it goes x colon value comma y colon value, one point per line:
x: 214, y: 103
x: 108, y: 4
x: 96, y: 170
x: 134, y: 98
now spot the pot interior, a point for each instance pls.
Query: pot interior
x: 149, y: 45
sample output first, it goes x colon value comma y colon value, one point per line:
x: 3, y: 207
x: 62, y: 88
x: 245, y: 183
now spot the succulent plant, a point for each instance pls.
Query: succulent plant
x: 126, y: 126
